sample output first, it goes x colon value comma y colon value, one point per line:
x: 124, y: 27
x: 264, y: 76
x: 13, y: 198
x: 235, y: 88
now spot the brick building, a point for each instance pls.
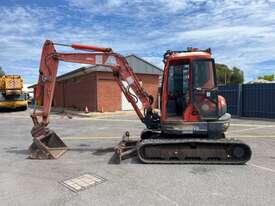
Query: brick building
x: 96, y: 88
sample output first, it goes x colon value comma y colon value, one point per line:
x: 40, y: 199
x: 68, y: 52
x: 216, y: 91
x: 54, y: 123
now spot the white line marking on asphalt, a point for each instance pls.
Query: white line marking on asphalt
x: 249, y: 136
x: 263, y: 168
x: 136, y: 120
x: 102, y: 128
x: 90, y: 138
x: 255, y: 126
x: 248, y: 129
x: 102, y: 119
x: 167, y: 198
x: 249, y: 125
x: 136, y: 137
x: 15, y: 116
x: 118, y: 120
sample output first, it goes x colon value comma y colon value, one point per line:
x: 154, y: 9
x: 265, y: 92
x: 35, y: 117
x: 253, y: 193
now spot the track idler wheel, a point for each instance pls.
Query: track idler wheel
x: 241, y: 152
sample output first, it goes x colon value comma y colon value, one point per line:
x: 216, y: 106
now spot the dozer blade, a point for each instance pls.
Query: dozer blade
x: 47, y: 146
x: 125, y: 149
x: 193, y: 151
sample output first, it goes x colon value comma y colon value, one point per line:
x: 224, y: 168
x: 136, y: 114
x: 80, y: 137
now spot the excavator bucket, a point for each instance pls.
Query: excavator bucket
x: 47, y: 146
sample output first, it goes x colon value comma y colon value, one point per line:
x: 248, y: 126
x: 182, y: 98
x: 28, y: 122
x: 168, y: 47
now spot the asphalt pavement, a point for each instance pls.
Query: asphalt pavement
x: 91, y: 142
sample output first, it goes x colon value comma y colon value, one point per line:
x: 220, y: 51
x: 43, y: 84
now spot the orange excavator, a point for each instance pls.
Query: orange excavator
x: 193, y: 119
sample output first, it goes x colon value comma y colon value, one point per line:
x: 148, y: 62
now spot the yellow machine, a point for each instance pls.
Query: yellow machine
x: 11, y: 93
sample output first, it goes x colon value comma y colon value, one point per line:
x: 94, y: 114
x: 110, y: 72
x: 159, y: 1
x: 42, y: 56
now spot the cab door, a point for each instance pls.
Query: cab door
x: 204, y: 90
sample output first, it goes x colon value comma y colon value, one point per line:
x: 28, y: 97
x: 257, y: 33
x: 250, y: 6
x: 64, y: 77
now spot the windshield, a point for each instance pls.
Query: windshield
x: 203, y: 74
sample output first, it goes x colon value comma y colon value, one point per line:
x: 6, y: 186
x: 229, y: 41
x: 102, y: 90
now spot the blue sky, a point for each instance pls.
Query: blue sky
x: 240, y: 33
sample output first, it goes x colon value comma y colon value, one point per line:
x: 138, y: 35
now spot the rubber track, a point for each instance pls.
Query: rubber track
x: 228, y: 143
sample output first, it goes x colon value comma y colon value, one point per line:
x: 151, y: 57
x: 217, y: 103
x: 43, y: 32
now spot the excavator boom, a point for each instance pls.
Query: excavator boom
x: 95, y: 56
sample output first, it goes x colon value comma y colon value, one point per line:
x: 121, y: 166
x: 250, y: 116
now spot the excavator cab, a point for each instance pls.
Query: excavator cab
x: 191, y: 89
x: 190, y: 100
x: 193, y: 115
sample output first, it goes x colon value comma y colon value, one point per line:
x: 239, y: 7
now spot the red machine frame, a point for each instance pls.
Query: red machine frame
x: 96, y: 56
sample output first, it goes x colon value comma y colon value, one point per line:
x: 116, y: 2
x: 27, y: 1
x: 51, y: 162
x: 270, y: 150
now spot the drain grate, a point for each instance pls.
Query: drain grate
x: 82, y: 182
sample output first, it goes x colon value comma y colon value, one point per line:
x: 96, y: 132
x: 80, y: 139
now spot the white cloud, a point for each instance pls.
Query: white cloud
x: 241, y: 33
x: 131, y: 8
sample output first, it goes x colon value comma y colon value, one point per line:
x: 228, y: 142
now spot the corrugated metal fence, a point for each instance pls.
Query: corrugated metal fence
x: 250, y: 100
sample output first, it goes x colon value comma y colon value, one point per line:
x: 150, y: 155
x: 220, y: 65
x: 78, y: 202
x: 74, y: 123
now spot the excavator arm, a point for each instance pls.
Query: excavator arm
x: 122, y: 72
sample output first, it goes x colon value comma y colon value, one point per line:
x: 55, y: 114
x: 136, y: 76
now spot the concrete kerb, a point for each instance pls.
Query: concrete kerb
x: 93, y: 114
x: 90, y: 114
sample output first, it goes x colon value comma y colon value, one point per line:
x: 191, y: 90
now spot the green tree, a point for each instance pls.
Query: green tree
x: 225, y: 75
x: 237, y: 76
x: 2, y: 73
x: 270, y: 77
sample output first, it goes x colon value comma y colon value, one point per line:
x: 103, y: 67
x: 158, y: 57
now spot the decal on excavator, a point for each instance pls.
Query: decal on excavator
x: 98, y: 59
x: 111, y: 60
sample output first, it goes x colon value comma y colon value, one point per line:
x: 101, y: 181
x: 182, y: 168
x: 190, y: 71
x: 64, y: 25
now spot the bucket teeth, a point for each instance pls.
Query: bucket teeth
x: 47, y: 146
